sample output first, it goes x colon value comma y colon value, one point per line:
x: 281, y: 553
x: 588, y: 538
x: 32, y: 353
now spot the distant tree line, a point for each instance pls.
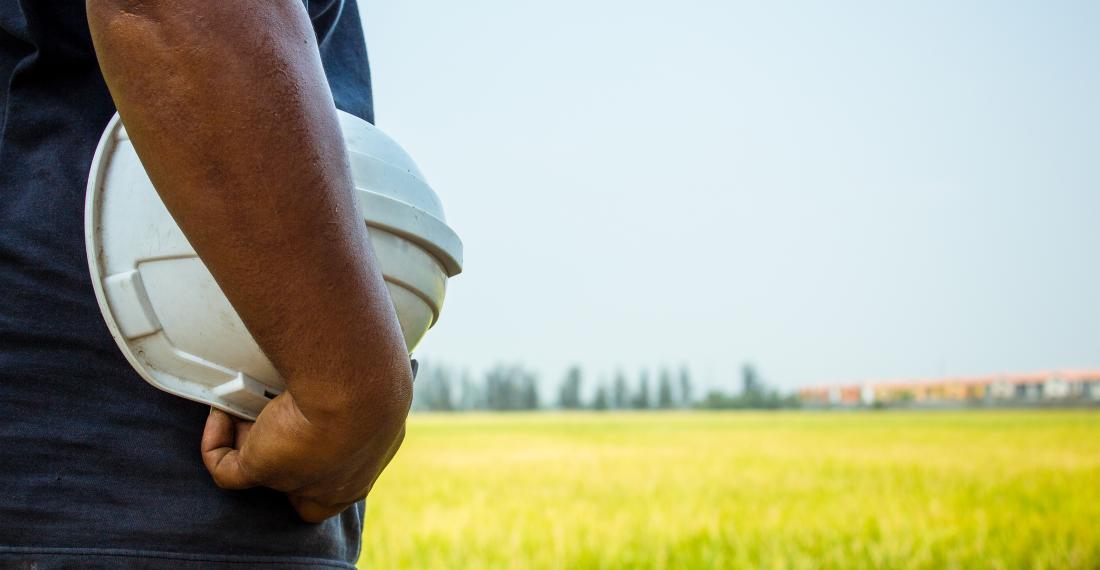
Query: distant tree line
x: 673, y: 391
x: 754, y: 395
x: 513, y: 387
x: 438, y: 388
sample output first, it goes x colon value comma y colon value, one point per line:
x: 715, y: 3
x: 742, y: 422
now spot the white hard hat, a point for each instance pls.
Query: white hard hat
x: 169, y: 316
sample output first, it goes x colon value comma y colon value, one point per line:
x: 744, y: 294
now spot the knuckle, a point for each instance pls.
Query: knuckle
x: 256, y: 472
x: 221, y: 481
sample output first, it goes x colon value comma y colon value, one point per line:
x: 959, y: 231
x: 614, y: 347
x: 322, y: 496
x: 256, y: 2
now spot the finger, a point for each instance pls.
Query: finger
x: 312, y: 511
x: 242, y: 429
x: 219, y: 431
x: 218, y: 455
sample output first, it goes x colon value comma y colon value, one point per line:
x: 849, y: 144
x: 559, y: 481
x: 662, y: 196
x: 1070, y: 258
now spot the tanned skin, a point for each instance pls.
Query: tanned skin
x: 228, y: 108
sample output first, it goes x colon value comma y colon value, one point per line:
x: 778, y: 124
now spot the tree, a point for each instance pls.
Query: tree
x: 439, y: 390
x: 685, y: 387
x: 750, y: 381
x: 432, y: 389
x: 530, y: 392
x: 511, y: 388
x: 497, y: 388
x: 620, y: 394
x: 569, y: 396
x: 754, y: 395
x: 752, y: 391
x: 716, y: 400
x: 473, y: 397
x: 664, y: 390
x: 641, y: 400
x: 599, y: 402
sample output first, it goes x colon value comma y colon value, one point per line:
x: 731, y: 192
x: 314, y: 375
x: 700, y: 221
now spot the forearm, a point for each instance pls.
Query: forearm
x: 228, y: 108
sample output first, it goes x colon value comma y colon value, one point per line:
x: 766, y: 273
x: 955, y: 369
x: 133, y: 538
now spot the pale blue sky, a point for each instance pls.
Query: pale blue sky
x: 832, y: 190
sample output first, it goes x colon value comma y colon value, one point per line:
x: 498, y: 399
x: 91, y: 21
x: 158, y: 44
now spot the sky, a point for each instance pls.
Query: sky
x: 832, y: 191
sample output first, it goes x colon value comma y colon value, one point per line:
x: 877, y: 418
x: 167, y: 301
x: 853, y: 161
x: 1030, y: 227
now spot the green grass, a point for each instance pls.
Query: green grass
x: 997, y: 489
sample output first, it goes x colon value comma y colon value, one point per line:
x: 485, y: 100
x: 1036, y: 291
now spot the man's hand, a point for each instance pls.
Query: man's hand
x: 322, y: 468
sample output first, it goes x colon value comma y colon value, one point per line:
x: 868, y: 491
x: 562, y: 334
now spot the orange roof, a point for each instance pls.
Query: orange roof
x: 1013, y: 378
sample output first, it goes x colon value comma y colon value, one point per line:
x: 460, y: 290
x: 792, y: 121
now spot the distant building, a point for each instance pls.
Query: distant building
x: 1059, y: 386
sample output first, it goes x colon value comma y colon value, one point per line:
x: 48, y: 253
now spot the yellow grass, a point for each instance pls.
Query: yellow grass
x: 739, y: 490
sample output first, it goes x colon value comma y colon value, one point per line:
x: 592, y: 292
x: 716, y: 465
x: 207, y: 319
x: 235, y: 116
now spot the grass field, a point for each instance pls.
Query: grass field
x: 996, y: 489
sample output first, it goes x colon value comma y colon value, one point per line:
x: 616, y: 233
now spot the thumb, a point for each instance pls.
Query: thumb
x: 218, y: 455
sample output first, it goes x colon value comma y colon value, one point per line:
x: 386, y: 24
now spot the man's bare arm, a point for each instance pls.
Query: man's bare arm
x: 228, y: 107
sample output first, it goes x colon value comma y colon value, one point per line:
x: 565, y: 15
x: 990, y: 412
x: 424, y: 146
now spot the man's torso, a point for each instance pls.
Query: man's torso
x: 95, y: 463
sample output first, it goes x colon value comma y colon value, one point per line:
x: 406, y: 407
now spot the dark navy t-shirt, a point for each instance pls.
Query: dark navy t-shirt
x: 98, y: 468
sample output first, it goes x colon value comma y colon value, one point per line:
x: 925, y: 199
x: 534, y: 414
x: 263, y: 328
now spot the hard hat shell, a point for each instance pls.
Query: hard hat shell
x: 170, y: 318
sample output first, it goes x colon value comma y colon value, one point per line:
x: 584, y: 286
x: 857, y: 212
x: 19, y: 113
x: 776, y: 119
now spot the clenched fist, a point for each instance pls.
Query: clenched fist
x: 323, y: 464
